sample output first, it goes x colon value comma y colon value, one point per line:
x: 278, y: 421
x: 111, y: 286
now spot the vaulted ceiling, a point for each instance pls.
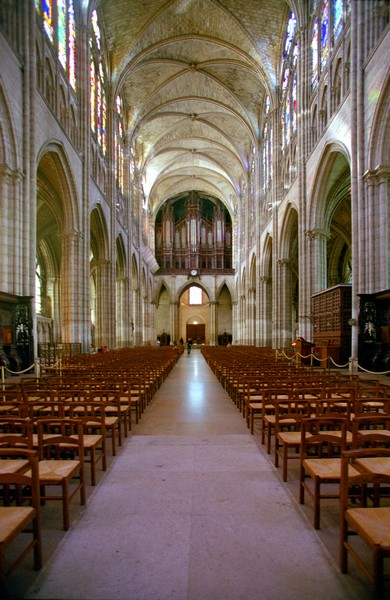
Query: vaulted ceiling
x: 193, y: 75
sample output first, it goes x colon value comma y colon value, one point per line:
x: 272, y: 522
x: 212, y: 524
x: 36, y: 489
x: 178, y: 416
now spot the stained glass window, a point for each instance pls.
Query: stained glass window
x: 119, y: 143
x: 61, y: 32
x: 291, y: 26
x: 289, y: 82
x: 285, y: 80
x: 294, y: 103
x: 59, y: 24
x: 283, y: 127
x: 47, y: 10
x: 324, y: 33
x: 93, y: 96
x: 267, y: 147
x: 287, y: 120
x: 314, y: 53
x: 295, y: 55
x: 71, y: 45
x: 98, y: 85
x: 96, y: 28
x: 337, y: 17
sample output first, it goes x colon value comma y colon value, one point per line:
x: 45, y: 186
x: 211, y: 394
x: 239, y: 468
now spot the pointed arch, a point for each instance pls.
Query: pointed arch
x: 379, y: 143
x: 334, y: 160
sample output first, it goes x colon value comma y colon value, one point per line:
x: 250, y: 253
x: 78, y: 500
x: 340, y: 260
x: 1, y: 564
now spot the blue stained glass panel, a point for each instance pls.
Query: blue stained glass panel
x: 337, y: 17
x: 47, y: 8
x: 324, y: 32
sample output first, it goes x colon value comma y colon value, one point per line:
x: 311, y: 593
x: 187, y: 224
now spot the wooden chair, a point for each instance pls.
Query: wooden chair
x: 370, y: 429
x: 272, y: 398
x: 115, y: 414
x: 371, y: 524
x: 288, y: 419
x: 15, y: 431
x: 16, y: 520
x: 322, y: 440
x: 56, y: 468
x: 93, y: 418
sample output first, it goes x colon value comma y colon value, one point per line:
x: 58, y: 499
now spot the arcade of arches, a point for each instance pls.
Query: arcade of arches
x: 238, y: 146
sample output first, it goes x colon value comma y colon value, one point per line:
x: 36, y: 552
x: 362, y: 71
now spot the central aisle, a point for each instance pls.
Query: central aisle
x: 192, y: 509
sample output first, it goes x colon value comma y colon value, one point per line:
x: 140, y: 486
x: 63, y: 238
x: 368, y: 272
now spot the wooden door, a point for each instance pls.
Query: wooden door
x: 197, y: 332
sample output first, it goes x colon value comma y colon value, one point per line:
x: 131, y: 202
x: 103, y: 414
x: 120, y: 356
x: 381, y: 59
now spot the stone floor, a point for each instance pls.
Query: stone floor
x: 191, y: 508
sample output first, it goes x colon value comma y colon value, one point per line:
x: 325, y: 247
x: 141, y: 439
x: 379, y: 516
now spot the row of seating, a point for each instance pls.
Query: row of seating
x: 336, y: 426
x: 51, y: 426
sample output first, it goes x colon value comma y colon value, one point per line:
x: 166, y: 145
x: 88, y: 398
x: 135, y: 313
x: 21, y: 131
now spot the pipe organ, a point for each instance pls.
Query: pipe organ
x: 194, y: 232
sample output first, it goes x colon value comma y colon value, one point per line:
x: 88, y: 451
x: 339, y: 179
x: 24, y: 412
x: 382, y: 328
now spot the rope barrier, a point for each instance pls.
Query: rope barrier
x: 374, y: 372
x: 349, y: 364
x: 340, y: 366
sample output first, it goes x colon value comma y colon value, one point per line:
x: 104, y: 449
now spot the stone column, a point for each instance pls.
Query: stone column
x: 174, y: 321
x: 265, y: 312
x: 213, y: 335
x: 54, y: 291
x: 137, y: 319
x: 10, y: 229
x: 316, y: 258
x: 377, y: 229
x: 234, y: 321
x: 383, y: 239
x: 284, y: 338
x: 122, y: 323
x: 251, y: 316
x: 103, y: 315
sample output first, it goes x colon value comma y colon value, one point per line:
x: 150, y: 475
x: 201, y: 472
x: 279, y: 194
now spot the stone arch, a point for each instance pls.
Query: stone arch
x: 163, y: 301
x: 225, y: 317
x: 330, y: 218
x: 195, y: 315
x: 54, y: 167
x: 288, y: 273
x: 58, y: 238
x: 334, y: 152
x: 99, y: 234
x: 49, y: 82
x: 100, y: 280
x: 379, y: 143
x: 337, y: 83
x: 9, y: 144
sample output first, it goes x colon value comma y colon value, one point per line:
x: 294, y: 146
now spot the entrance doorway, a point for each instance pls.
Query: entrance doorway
x: 196, y: 331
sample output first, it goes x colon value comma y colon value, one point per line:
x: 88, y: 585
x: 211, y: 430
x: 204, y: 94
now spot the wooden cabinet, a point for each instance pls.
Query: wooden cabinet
x: 331, y: 310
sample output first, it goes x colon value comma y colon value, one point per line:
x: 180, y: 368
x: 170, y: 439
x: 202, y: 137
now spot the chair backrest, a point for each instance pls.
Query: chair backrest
x: 16, y: 431
x: 350, y: 479
x: 327, y: 436
x: 291, y: 409
x: 28, y: 475
x: 371, y: 429
x: 59, y: 433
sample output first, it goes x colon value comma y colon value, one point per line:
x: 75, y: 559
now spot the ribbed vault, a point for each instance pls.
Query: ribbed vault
x: 193, y: 75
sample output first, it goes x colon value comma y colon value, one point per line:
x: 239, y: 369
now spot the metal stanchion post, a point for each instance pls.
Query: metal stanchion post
x: 352, y: 365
